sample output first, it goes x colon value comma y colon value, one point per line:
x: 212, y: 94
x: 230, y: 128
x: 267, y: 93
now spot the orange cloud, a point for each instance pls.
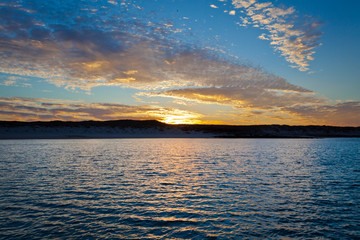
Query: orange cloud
x: 265, y: 106
x: 32, y: 109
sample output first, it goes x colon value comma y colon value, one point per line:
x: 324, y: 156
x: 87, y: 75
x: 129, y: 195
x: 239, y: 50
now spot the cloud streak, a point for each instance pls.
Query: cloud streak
x: 344, y: 113
x: 14, y: 81
x: 295, y: 38
x: 262, y: 106
x: 35, y: 109
x: 320, y: 113
x: 249, y: 97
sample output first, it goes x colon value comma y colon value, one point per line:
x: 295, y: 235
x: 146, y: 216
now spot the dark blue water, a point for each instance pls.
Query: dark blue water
x: 180, y: 189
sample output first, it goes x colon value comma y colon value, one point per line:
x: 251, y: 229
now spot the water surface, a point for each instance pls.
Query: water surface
x: 180, y: 188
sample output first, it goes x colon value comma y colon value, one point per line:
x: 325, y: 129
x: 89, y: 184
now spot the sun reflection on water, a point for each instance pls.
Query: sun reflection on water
x: 180, y: 188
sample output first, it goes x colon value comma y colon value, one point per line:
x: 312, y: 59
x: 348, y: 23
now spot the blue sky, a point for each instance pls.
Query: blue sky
x: 181, y: 61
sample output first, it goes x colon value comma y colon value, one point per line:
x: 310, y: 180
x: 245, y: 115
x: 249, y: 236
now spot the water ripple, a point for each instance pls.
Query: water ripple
x: 180, y: 189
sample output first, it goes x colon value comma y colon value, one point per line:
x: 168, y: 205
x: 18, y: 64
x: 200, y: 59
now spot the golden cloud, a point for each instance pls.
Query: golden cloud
x: 33, y: 109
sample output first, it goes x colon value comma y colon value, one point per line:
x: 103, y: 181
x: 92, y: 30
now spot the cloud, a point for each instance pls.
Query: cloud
x: 70, y: 46
x: 14, y: 81
x: 345, y: 113
x: 295, y: 38
x: 213, y: 6
x: 39, y: 109
x: 291, y: 107
x: 127, y: 53
x: 35, y: 109
x: 243, y: 97
x: 78, y: 51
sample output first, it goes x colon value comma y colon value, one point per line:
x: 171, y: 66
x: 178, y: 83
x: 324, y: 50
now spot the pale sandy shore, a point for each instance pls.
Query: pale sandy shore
x: 155, y: 129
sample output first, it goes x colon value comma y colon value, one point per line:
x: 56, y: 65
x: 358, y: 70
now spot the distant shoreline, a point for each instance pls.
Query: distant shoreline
x: 155, y: 129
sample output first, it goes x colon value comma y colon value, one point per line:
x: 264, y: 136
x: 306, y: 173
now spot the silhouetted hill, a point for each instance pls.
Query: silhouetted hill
x: 152, y: 128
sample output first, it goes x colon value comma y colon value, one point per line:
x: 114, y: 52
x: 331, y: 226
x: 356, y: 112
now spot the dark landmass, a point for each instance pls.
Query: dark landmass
x: 155, y: 129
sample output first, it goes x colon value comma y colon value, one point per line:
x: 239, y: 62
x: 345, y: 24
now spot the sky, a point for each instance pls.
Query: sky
x: 238, y: 62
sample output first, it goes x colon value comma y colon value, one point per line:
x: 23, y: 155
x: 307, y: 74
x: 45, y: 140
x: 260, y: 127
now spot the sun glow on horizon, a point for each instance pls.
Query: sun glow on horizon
x: 179, y: 119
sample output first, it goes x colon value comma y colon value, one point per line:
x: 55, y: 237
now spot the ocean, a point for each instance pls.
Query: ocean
x: 180, y: 189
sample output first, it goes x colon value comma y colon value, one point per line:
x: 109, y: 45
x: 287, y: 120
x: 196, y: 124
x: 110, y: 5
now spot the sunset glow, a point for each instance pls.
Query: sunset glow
x: 233, y: 62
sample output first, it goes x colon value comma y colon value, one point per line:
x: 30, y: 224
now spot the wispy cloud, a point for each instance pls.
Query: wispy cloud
x: 294, y: 37
x: 14, y: 81
x: 287, y: 106
x: 39, y: 109
x: 35, y: 109
x: 344, y: 113
x: 243, y: 97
